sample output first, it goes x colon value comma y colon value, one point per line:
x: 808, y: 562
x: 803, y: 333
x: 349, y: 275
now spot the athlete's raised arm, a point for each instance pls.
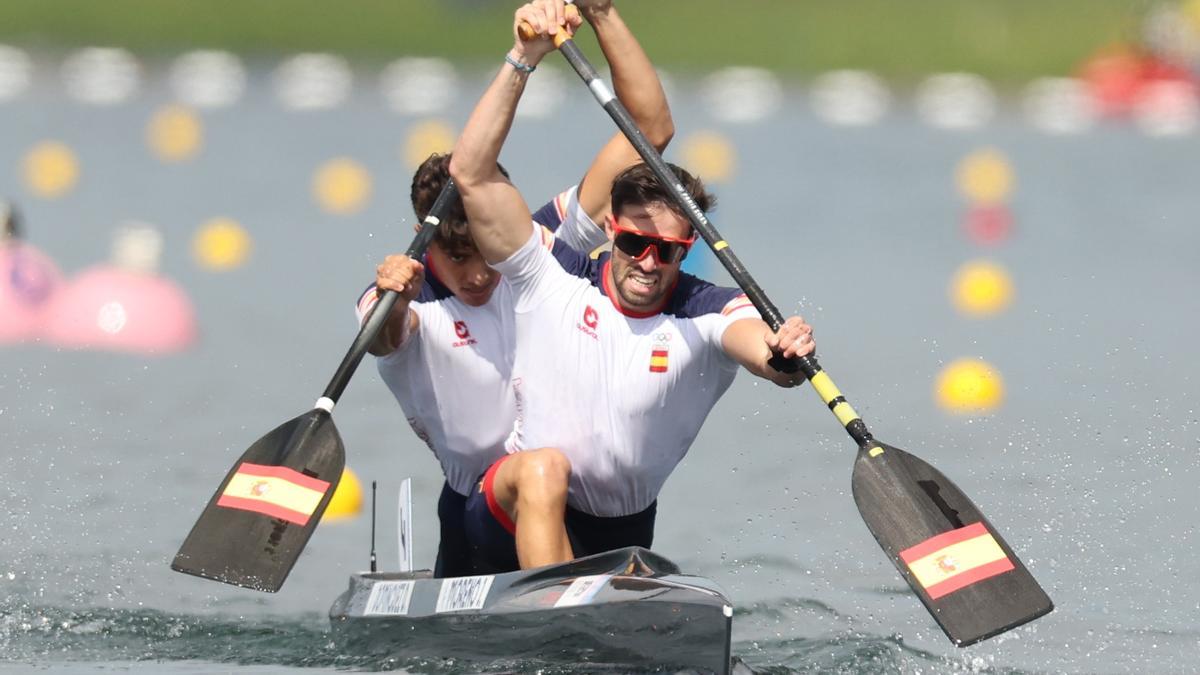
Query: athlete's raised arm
x: 497, y: 213
x: 637, y: 86
x: 752, y: 343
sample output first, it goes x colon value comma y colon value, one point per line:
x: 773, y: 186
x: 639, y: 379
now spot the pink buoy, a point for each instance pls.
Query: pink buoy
x: 28, y: 279
x: 125, y: 305
x: 1118, y: 77
x: 988, y: 225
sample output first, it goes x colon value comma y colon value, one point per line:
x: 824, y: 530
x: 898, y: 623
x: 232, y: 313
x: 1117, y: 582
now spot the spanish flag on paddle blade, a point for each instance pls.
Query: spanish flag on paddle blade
x: 956, y: 559
x: 275, y: 491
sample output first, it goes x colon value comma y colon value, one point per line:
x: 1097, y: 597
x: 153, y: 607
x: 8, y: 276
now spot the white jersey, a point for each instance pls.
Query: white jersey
x: 622, y: 395
x: 452, y: 378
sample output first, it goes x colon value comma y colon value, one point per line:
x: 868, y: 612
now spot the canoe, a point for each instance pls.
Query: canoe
x: 628, y: 608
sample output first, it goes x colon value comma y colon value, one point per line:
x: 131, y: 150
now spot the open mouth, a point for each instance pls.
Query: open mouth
x: 641, y: 284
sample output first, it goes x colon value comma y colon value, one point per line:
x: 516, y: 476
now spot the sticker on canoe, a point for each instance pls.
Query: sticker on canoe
x: 956, y: 559
x: 463, y: 593
x: 582, y: 590
x: 275, y: 491
x: 389, y: 598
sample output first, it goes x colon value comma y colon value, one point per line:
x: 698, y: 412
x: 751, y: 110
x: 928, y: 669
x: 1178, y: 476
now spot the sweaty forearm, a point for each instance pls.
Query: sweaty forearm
x: 394, y: 331
x: 635, y: 81
x: 478, y: 149
x: 497, y: 215
x: 745, y: 340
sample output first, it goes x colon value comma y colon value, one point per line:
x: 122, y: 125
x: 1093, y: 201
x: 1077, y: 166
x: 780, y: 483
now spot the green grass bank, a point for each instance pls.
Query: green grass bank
x: 1006, y: 40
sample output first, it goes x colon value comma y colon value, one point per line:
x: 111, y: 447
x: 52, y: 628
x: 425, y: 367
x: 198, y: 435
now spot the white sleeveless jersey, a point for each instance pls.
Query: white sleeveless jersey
x: 622, y: 395
x: 452, y: 378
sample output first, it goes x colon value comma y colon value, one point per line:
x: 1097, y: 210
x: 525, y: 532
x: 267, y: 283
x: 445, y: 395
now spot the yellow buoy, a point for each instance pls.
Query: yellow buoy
x: 969, y: 386
x: 347, y: 500
x: 981, y: 288
x: 50, y: 169
x: 1192, y: 11
x: 221, y: 244
x: 342, y: 186
x: 710, y: 155
x: 174, y: 133
x: 425, y: 139
x: 985, y: 177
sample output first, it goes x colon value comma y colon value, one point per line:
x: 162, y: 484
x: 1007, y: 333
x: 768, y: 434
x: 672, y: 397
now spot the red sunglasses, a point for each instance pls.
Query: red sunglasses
x: 637, y: 245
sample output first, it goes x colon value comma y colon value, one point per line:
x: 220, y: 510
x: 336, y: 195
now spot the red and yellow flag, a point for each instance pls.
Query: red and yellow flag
x: 275, y: 491
x: 658, y: 361
x: 956, y: 559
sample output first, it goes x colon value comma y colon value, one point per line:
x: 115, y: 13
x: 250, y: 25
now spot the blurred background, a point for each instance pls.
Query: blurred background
x: 988, y: 210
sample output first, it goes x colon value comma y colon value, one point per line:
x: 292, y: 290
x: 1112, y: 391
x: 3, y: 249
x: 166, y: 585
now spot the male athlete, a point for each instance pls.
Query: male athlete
x: 446, y: 351
x: 618, y: 360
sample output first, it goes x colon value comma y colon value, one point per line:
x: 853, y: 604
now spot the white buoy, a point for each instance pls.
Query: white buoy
x: 419, y: 86
x: 1169, y: 33
x: 16, y: 72
x: 741, y: 95
x: 851, y: 98
x: 208, y: 79
x: 313, y: 82
x: 101, y: 76
x: 957, y: 101
x: 1059, y: 105
x: 137, y: 247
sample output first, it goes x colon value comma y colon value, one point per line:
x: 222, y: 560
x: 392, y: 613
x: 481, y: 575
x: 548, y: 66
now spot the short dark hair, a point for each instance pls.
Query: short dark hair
x: 638, y: 186
x: 452, y: 233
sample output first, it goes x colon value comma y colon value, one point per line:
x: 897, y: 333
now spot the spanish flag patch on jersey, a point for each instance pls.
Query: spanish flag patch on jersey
x: 658, y: 360
x: 956, y: 559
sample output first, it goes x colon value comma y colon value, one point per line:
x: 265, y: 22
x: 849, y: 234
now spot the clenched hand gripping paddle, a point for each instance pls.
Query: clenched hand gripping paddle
x: 266, y: 509
x: 957, y: 563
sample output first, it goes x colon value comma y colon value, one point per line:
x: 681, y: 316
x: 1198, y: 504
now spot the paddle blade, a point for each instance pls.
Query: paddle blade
x: 264, y: 512
x: 957, y: 563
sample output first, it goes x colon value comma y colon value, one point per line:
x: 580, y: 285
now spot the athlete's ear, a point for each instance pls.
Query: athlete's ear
x: 610, y: 224
x: 417, y: 226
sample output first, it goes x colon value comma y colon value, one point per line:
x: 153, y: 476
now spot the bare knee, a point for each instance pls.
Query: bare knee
x: 543, y: 476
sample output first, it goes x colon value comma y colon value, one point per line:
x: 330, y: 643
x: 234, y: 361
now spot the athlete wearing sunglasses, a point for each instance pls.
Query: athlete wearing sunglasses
x: 637, y: 245
x: 650, y: 239
x: 619, y: 359
x: 447, y: 351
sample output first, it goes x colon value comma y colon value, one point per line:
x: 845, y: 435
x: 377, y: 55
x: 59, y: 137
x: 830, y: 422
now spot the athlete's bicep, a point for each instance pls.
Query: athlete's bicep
x: 596, y: 187
x: 498, y: 217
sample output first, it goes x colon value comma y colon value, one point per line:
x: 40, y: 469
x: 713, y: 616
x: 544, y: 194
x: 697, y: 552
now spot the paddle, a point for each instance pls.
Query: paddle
x: 264, y: 512
x: 959, y: 566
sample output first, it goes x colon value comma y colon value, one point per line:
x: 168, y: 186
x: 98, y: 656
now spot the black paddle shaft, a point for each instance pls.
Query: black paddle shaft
x: 244, y: 536
x: 770, y: 313
x: 382, y: 309
x: 965, y: 574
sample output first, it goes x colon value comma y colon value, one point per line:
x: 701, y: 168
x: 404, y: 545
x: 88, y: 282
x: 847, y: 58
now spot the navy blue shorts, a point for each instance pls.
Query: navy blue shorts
x: 454, y: 554
x: 494, y: 549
